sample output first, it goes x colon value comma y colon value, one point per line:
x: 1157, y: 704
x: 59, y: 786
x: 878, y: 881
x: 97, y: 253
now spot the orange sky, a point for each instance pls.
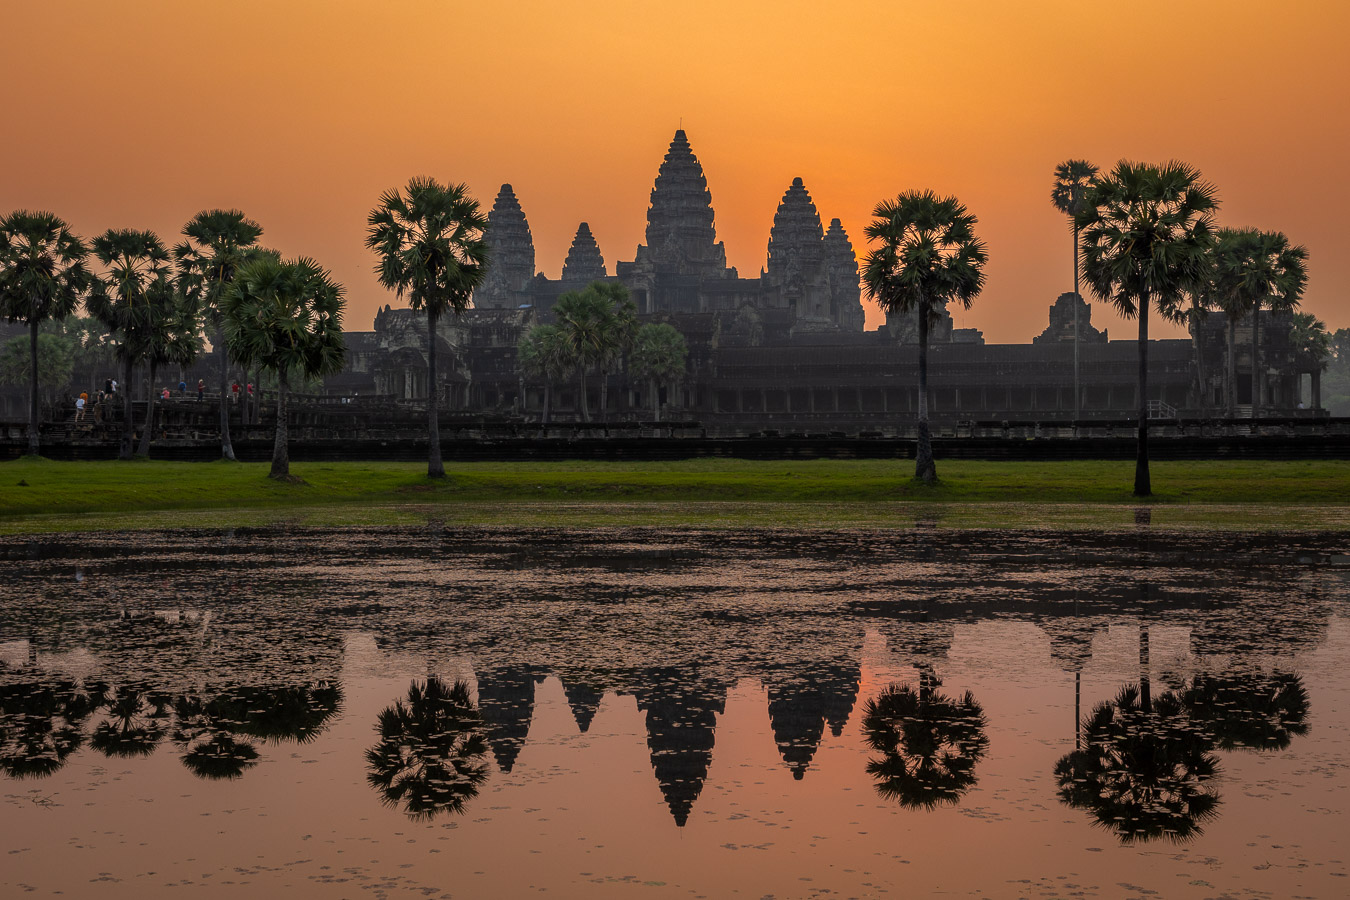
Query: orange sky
x: 139, y: 114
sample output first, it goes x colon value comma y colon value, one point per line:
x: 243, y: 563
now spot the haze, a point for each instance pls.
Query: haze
x: 301, y: 114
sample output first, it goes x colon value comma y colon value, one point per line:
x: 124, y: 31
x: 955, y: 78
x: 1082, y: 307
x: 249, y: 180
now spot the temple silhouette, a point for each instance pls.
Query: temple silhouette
x: 784, y: 349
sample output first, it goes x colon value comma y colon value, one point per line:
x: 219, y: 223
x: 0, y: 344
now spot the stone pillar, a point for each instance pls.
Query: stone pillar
x: 834, y: 399
x: 1317, y: 389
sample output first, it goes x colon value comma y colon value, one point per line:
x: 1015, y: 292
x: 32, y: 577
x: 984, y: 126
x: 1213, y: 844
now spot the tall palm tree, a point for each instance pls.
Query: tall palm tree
x: 929, y: 743
x: 544, y: 353
x: 1279, y: 275
x: 431, y: 757
x: 218, y: 242
x: 1143, y: 769
x: 928, y: 257
x: 1248, y: 269
x: 1249, y: 711
x: 173, y: 339
x: 1073, y: 178
x: 585, y: 318
x: 620, y: 331
x: 659, y: 354
x: 135, y: 721
x: 285, y: 317
x: 1229, y: 254
x: 1146, y: 230
x: 431, y: 249
x: 42, y: 276
x: 133, y: 297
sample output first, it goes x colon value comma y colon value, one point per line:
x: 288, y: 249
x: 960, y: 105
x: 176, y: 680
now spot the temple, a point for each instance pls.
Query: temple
x: 786, y: 349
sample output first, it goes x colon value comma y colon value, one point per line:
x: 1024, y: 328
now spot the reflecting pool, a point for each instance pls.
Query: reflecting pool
x: 447, y: 712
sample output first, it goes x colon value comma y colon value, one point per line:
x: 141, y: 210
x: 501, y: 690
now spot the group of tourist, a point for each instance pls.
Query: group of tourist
x: 84, y: 403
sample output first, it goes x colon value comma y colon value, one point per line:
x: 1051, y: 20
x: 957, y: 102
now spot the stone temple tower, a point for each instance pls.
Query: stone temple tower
x: 797, y: 277
x: 511, y: 264
x: 845, y: 292
x: 584, y: 263
x: 681, y: 238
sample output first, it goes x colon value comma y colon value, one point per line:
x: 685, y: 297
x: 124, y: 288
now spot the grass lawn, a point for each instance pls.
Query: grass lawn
x: 44, y: 495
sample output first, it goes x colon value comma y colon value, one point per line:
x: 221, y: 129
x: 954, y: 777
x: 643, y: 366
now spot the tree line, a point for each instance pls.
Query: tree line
x: 1146, y: 233
x: 156, y: 302
x: 1148, y: 241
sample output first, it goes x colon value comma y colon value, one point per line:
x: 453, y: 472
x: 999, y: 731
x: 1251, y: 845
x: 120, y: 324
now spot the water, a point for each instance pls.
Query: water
x: 666, y: 713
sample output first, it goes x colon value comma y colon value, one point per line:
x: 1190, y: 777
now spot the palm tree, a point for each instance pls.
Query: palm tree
x: 1073, y: 178
x: 929, y: 743
x: 1279, y: 274
x: 659, y: 354
x: 1259, y: 711
x: 432, y: 753
x: 1250, y: 268
x: 1146, y: 230
x: 133, y: 298
x: 1226, y: 272
x: 285, y: 317
x: 218, y: 242
x: 431, y: 249
x: 585, y: 319
x: 206, y: 730
x: 620, y: 332
x: 42, y: 277
x: 174, y: 338
x: 929, y: 256
x: 1142, y: 769
x: 544, y: 353
x: 41, y: 725
x: 136, y: 720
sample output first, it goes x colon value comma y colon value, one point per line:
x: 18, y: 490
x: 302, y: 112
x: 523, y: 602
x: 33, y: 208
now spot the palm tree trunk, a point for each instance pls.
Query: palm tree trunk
x: 1145, y: 688
x: 548, y: 399
x: 1077, y: 300
x: 281, y: 455
x: 604, y: 397
x: 924, y: 467
x: 585, y: 408
x: 34, y: 440
x: 1142, y: 486
x: 1232, y: 368
x: 435, y: 468
x: 1258, y: 376
x: 128, y: 413
x: 149, y: 415
x: 226, y: 446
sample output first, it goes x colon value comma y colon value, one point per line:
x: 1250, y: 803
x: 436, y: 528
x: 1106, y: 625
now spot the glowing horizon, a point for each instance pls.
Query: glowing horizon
x: 301, y: 114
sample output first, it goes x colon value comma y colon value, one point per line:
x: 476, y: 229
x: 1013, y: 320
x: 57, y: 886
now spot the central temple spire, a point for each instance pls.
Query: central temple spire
x: 680, y: 232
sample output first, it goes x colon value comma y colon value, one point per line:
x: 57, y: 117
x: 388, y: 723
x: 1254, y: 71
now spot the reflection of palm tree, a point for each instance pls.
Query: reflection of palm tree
x: 929, y: 743
x: 432, y: 752
x: 207, y: 733
x: 135, y: 722
x: 1253, y: 712
x: 40, y: 727
x: 294, y: 712
x: 1142, y: 769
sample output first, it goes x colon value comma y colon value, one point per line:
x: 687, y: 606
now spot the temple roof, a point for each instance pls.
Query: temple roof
x: 680, y: 230
x: 584, y: 263
x: 838, y: 248
x: 511, y: 253
x: 796, y: 237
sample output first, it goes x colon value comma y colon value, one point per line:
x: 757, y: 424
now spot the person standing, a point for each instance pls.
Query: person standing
x: 182, y: 388
x: 234, y: 392
x: 79, y: 408
x: 201, y: 389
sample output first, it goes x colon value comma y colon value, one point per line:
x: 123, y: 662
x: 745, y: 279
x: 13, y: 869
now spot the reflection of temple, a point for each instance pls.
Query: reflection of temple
x: 784, y: 348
